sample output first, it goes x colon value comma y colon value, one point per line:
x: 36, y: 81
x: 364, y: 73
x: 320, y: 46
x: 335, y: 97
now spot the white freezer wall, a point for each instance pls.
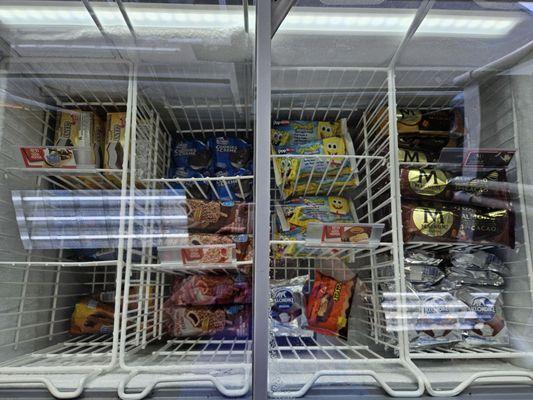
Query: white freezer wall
x: 22, y: 127
x: 499, y: 112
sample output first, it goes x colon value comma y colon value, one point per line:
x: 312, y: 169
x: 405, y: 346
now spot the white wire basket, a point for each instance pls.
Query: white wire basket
x: 41, y: 287
x: 370, y: 354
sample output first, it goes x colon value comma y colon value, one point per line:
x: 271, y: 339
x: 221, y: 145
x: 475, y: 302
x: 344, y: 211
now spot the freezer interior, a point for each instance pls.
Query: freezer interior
x: 185, y: 71
x: 435, y: 66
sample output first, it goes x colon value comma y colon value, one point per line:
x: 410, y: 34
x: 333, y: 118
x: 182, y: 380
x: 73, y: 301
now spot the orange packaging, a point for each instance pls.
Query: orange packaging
x: 328, y: 306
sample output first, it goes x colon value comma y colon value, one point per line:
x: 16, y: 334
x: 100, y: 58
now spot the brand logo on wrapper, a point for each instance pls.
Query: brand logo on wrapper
x: 432, y: 222
x: 284, y: 299
x: 427, y: 182
x: 434, y: 305
x: 484, y: 308
x: 411, y: 156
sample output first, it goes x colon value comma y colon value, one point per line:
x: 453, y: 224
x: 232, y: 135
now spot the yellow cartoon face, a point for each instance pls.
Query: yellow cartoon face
x: 325, y: 130
x: 338, y: 205
x: 279, y: 138
x: 285, y: 165
x: 334, y: 146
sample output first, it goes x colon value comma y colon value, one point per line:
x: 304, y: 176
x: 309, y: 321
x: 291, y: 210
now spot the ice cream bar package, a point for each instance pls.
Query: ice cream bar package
x: 208, y: 289
x: 203, y: 216
x: 478, y: 188
x: 306, y: 187
x: 452, y: 223
x: 298, y: 212
x: 435, y: 122
x: 293, y: 168
x: 288, y: 133
x: 194, y: 321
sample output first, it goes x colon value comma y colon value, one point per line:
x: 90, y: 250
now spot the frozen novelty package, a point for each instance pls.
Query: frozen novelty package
x: 438, y: 222
x: 479, y: 188
x: 422, y: 269
x: 192, y: 155
x: 234, y: 189
x: 287, y: 307
x: 292, y: 217
x: 328, y: 305
x: 304, y: 158
x: 220, y: 320
x: 300, y: 211
x: 323, y: 186
x: 290, y: 169
x: 208, y: 289
x: 485, y: 318
x: 195, y: 189
x: 433, y: 318
x: 288, y: 133
x: 477, y: 259
x: 231, y: 153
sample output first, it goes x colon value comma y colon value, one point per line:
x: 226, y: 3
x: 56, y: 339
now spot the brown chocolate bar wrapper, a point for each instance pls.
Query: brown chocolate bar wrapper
x: 423, y: 121
x: 431, y: 144
x: 480, y: 189
x: 440, y: 222
x: 205, y: 216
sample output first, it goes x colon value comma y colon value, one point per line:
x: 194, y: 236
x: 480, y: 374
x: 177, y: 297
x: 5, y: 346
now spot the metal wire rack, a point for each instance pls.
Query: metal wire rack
x: 42, y: 286
x: 361, y: 96
x: 146, y: 349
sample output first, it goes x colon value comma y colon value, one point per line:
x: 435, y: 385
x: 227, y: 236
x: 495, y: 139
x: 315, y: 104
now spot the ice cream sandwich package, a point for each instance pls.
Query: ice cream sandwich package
x: 287, y: 307
x: 485, y: 318
x: 215, y: 157
x: 433, y: 318
x: 231, y: 153
x: 423, y: 269
x: 234, y: 189
x: 192, y: 189
x: 192, y: 156
x: 115, y: 140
